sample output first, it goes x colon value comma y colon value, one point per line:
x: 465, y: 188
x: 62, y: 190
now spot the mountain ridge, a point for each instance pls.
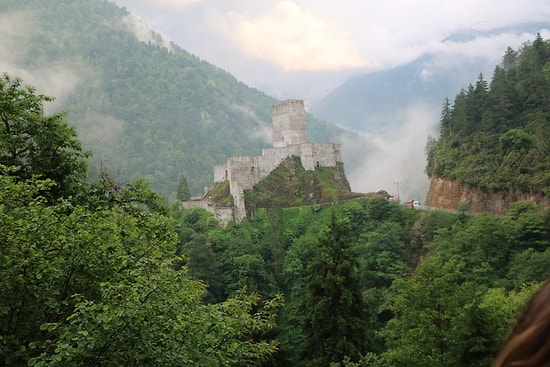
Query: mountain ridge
x: 145, y: 110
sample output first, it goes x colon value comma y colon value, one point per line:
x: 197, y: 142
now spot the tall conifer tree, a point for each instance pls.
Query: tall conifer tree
x: 335, y: 318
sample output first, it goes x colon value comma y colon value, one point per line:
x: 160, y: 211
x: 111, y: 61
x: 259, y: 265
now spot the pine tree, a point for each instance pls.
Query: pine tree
x: 335, y: 318
x: 183, y: 189
x: 446, y: 119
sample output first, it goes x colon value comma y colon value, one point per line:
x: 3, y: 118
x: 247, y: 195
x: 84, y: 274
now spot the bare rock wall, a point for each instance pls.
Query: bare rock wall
x: 451, y: 195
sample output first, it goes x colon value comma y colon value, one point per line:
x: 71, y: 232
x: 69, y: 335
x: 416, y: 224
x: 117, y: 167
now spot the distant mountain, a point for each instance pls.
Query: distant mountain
x: 369, y: 102
x: 145, y: 107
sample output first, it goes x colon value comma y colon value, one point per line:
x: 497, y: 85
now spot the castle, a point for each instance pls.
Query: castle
x: 289, y: 139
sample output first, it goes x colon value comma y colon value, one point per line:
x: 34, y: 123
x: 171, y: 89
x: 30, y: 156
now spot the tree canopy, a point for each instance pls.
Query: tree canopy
x: 93, y: 279
x: 334, y: 314
x: 107, y: 274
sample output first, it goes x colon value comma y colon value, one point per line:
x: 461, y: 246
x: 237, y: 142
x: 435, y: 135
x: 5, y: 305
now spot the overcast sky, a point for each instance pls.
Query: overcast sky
x: 286, y: 46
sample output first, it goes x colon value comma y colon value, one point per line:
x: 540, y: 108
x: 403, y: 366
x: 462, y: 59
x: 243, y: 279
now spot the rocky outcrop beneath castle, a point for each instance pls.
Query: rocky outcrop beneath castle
x: 290, y: 184
x: 452, y: 195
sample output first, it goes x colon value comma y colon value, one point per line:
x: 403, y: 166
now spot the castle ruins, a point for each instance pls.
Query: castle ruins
x: 289, y: 139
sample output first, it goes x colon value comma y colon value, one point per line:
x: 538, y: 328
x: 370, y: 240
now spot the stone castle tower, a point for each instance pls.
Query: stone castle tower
x: 289, y: 139
x: 289, y: 123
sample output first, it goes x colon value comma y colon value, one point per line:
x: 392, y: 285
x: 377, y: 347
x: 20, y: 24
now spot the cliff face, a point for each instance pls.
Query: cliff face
x: 450, y: 195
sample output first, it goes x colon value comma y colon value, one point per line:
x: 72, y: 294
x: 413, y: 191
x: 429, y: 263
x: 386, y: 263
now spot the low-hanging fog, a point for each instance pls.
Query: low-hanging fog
x: 393, y: 161
x: 396, y: 112
x: 57, y: 78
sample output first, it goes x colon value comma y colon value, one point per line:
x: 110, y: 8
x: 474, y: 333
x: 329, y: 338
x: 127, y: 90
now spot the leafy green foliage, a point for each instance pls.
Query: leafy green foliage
x: 417, y: 331
x: 34, y: 144
x: 112, y: 279
x: 99, y: 287
x: 442, y: 319
x: 100, y: 283
x: 495, y: 135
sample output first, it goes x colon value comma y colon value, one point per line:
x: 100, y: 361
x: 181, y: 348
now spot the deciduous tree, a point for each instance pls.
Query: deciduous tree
x: 37, y: 144
x: 439, y: 319
x: 99, y: 287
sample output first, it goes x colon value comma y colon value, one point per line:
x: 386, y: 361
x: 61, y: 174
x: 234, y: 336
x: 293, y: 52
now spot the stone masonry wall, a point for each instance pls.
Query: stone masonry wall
x: 249, y: 170
x: 223, y: 215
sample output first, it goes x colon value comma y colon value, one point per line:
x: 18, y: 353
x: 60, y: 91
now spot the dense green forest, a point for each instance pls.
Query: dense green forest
x: 88, y: 271
x: 496, y: 135
x: 144, y: 108
x: 99, y: 273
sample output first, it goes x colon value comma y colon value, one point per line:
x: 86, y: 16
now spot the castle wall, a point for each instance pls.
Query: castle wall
x: 223, y: 215
x: 220, y: 172
x: 246, y: 171
x: 323, y: 155
x: 274, y: 156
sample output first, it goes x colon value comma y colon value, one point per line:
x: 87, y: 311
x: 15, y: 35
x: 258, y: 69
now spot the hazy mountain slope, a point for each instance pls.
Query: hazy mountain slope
x: 369, y: 102
x: 145, y: 107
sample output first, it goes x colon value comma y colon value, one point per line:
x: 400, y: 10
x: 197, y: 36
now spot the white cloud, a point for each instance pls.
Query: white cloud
x: 398, y: 31
x: 100, y: 130
x: 481, y: 47
x: 12, y: 35
x: 265, y: 43
x: 55, y: 78
x: 484, y: 52
x: 292, y: 37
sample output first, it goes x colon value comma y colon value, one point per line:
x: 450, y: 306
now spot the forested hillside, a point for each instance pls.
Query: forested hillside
x: 144, y: 106
x: 495, y: 136
x: 373, y: 283
x: 96, y: 273
x: 88, y: 274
